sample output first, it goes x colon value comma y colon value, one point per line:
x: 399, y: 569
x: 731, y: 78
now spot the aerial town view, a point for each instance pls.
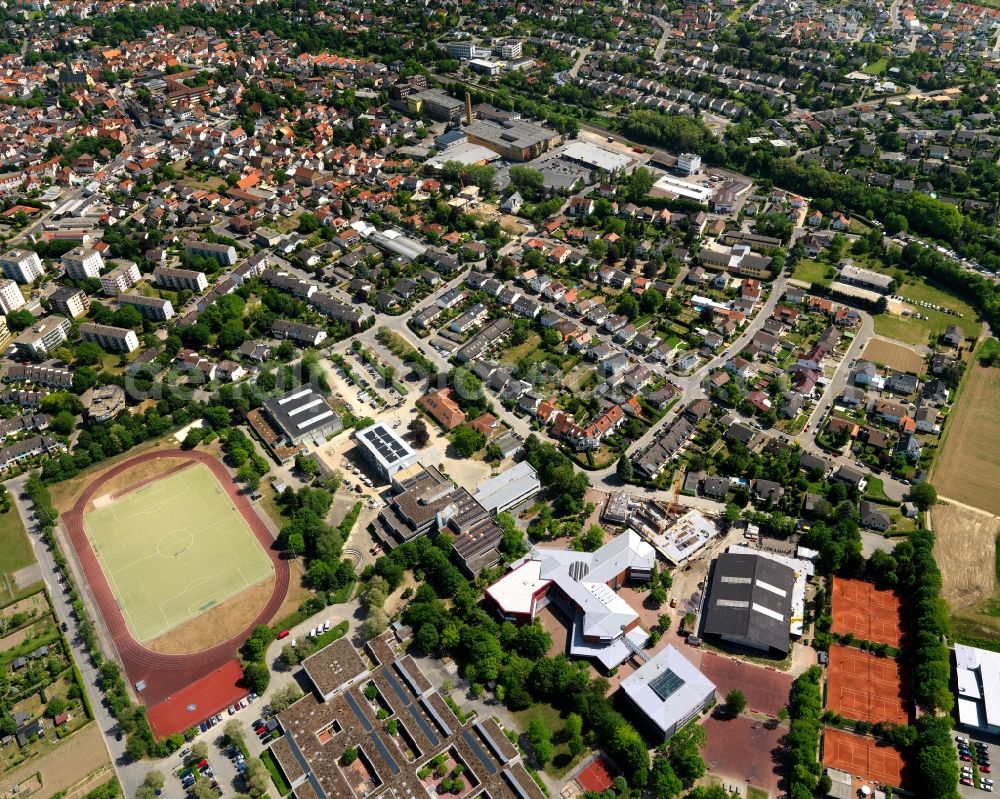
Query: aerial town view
x: 499, y: 400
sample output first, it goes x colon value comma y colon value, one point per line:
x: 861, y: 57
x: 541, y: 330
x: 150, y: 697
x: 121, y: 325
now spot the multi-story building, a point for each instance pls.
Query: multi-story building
x: 113, y: 339
x: 463, y: 51
x: 24, y: 266
x: 225, y: 254
x: 508, y: 50
x: 10, y: 296
x: 70, y: 302
x: 436, y: 104
x: 688, y: 163
x: 81, y: 263
x: 150, y: 307
x: 42, y: 337
x: 179, y: 279
x: 120, y: 279
x: 4, y: 332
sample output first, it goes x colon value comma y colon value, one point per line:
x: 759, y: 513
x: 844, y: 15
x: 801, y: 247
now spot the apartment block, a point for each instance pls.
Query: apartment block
x: 42, y: 337
x: 113, y: 339
x: 70, y: 302
x: 150, y: 307
x: 81, y: 263
x: 225, y: 254
x: 10, y: 296
x: 179, y: 279
x: 120, y: 279
x: 23, y: 266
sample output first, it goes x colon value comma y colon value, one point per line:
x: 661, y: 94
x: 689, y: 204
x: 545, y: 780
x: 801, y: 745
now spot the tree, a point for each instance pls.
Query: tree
x: 284, y: 697
x: 199, y: 751
x: 256, y: 777
x: 625, y: 469
x: 541, y: 742
x: 684, y: 751
x: 665, y: 783
x: 63, y: 423
x: 202, y: 789
x: 374, y: 624
x: 136, y: 747
x: 573, y: 733
x: 651, y: 301
x: 55, y: 706
x: 19, y: 320
x: 418, y: 432
x: 257, y: 677
x: 88, y: 353
x: 85, y: 377
x: 233, y: 732
x: 593, y: 539
x: 736, y: 702
x: 154, y: 779
x: 923, y: 495
x: 468, y: 441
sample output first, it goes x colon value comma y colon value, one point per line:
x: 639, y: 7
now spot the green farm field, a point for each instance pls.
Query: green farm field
x: 174, y: 548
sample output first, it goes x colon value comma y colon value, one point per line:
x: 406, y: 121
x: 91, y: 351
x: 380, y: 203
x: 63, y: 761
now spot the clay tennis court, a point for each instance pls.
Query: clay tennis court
x: 866, y: 612
x: 862, y: 757
x: 864, y: 687
x: 596, y: 776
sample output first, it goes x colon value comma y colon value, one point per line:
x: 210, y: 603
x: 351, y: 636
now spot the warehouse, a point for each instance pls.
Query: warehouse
x: 750, y: 602
x: 302, y: 414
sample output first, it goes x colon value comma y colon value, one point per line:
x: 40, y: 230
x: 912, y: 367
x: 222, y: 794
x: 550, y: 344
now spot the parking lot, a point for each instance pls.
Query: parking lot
x: 975, y: 765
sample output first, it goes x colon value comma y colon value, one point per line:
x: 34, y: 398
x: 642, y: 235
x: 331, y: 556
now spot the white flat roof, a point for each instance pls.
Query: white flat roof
x: 978, y: 681
x: 506, y: 488
x: 514, y: 591
x: 684, y: 188
x: 596, y: 156
x: 682, y: 689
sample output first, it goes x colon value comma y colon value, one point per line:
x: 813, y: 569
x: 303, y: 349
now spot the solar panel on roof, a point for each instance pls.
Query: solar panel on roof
x: 356, y: 710
x: 424, y: 726
x: 665, y: 685
x: 382, y: 750
x: 477, y: 750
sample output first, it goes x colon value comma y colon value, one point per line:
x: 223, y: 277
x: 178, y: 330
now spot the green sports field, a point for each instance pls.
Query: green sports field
x: 173, y: 549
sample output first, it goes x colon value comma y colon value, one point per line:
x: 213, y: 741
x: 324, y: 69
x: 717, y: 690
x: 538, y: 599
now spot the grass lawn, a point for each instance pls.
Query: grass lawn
x: 756, y: 793
x: 514, y: 354
x: 876, y: 68
x: 15, y: 549
x: 875, y: 489
x: 921, y: 331
x: 561, y: 761
x: 810, y: 271
x: 194, y: 550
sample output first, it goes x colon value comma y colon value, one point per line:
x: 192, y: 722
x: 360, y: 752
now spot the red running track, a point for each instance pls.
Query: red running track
x: 165, y: 675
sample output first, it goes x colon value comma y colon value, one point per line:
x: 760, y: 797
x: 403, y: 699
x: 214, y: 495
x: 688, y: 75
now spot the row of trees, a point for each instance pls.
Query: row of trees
x: 805, y: 708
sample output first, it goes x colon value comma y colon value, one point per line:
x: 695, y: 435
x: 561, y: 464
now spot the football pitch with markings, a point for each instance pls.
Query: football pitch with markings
x: 174, y: 548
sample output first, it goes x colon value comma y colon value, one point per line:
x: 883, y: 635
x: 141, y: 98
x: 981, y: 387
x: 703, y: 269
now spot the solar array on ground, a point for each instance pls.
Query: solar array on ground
x: 174, y: 548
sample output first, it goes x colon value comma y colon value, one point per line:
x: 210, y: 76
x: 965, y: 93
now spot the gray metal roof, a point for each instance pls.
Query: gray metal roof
x: 750, y: 598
